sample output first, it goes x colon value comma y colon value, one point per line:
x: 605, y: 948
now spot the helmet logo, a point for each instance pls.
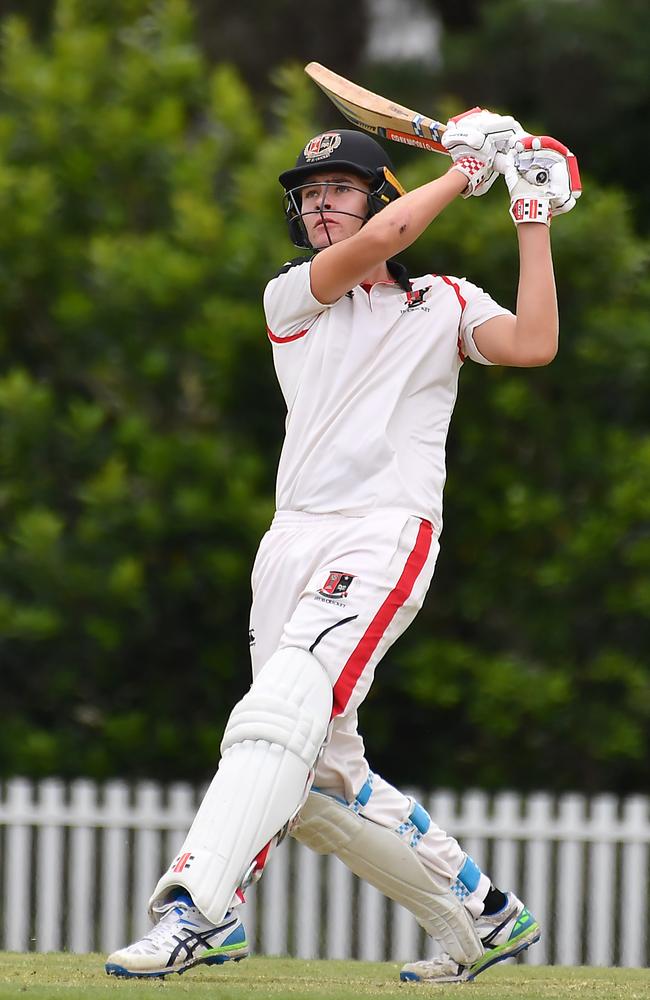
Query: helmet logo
x: 321, y: 146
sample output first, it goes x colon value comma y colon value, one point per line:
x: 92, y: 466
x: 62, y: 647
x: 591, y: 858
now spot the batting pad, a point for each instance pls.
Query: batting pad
x: 269, y: 747
x: 378, y: 855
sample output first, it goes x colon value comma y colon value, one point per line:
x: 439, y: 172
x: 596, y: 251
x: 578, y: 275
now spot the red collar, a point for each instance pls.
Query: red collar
x: 367, y: 285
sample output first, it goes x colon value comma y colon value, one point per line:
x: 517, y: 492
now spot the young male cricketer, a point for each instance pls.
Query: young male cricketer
x: 368, y: 362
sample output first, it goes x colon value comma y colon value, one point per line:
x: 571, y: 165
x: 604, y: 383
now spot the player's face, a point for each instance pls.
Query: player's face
x: 334, y: 206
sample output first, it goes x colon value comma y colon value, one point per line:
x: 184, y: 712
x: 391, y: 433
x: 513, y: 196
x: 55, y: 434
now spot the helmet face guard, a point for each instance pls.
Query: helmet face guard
x: 350, y: 152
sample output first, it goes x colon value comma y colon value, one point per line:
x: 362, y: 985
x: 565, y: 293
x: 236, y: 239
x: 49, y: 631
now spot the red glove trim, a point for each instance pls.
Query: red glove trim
x: 464, y: 114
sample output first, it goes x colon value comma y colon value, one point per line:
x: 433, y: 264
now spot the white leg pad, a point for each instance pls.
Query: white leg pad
x: 269, y: 747
x: 378, y: 855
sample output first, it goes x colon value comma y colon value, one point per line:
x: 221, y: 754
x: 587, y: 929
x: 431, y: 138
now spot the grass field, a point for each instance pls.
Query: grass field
x: 82, y: 977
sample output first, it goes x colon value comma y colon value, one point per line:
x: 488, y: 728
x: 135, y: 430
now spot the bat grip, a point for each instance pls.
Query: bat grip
x: 500, y: 163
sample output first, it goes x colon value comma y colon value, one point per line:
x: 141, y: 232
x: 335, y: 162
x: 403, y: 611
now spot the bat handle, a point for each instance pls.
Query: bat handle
x: 500, y: 163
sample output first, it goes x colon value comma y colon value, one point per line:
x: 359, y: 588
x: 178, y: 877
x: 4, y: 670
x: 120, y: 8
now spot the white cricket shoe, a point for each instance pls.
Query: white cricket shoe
x: 181, y: 939
x: 503, y: 934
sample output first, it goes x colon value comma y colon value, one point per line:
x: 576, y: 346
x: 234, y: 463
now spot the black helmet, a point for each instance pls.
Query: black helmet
x: 343, y: 149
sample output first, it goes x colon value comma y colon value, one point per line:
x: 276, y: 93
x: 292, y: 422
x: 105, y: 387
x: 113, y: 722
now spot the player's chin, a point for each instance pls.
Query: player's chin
x: 321, y: 238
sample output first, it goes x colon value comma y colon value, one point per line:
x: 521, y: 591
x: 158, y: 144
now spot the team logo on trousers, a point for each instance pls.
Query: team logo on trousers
x: 336, y: 585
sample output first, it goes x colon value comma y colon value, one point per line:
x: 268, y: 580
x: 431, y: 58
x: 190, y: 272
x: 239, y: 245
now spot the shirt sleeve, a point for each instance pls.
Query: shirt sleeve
x: 479, y: 307
x: 289, y: 305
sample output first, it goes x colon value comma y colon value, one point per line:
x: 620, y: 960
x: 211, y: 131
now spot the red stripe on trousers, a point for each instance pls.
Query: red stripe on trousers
x: 261, y: 858
x: 370, y: 640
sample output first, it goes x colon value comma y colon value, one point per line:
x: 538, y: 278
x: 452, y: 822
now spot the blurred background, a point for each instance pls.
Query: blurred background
x: 140, y: 419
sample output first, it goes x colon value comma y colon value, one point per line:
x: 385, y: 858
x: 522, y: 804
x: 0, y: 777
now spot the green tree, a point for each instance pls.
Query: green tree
x: 529, y: 663
x: 137, y: 399
x: 573, y: 69
x: 140, y: 425
x: 253, y: 35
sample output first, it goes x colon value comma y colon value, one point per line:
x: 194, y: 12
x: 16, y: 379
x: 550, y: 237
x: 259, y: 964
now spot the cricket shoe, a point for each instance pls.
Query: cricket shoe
x: 503, y: 934
x: 181, y: 939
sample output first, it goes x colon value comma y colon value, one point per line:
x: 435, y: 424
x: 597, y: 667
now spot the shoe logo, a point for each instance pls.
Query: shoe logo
x: 188, y: 942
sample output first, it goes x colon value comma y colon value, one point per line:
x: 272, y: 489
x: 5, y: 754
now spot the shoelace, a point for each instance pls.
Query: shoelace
x: 160, y: 931
x: 163, y: 909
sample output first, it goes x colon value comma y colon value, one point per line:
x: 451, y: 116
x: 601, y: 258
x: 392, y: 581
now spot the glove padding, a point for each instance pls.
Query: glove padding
x: 543, y: 179
x: 473, y: 140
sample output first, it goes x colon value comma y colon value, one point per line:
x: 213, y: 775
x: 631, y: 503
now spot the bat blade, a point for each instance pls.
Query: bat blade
x: 376, y: 114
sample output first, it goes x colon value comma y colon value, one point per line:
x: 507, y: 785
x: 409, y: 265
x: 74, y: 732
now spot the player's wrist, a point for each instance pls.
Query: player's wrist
x: 529, y: 208
x: 458, y: 179
x: 477, y: 173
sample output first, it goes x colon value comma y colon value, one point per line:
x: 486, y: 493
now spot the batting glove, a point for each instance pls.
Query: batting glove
x: 473, y: 140
x: 543, y: 179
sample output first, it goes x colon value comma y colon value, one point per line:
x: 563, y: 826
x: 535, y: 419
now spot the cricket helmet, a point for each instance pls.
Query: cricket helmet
x: 341, y: 149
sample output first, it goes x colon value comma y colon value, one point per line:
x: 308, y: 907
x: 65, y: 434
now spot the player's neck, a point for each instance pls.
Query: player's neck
x: 378, y: 273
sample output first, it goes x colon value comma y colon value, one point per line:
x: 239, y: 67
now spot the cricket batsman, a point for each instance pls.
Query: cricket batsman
x: 368, y: 360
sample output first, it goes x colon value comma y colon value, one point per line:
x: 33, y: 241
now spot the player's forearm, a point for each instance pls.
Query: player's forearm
x: 399, y: 224
x: 343, y: 265
x: 537, y: 326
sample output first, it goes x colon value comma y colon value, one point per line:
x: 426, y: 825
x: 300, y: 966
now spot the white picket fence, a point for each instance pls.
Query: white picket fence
x: 78, y: 862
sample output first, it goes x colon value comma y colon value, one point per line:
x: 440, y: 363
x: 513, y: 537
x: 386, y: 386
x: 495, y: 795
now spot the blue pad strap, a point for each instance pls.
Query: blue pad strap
x: 365, y: 793
x: 420, y: 818
x: 361, y: 800
x: 470, y: 874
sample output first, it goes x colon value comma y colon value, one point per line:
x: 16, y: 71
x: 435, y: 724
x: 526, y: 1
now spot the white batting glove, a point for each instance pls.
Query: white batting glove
x: 543, y: 179
x: 473, y: 140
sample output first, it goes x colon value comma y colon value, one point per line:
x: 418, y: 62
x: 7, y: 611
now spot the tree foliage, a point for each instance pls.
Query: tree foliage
x: 135, y: 478
x: 140, y: 425
x: 576, y: 69
x: 530, y: 660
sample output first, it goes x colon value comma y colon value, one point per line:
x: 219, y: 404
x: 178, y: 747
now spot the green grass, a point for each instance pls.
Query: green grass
x: 82, y: 977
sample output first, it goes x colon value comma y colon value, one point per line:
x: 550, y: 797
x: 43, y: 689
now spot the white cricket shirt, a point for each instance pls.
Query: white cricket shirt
x: 370, y: 384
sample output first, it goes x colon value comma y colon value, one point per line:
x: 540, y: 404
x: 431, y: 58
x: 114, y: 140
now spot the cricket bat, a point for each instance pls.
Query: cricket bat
x: 377, y: 114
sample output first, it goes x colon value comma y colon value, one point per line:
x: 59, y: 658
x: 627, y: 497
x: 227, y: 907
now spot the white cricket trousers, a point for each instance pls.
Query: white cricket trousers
x: 345, y: 588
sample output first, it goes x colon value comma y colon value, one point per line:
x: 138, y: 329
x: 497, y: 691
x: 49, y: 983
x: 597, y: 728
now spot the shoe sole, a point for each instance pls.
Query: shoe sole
x: 412, y: 977
x: 509, y: 951
x: 112, y: 969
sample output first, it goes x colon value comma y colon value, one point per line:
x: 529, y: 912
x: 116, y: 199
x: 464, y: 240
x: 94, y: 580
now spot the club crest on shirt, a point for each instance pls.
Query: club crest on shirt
x: 336, y: 586
x: 321, y: 146
x: 415, y: 300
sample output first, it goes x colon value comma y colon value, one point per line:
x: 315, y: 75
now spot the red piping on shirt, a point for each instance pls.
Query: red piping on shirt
x: 286, y: 340
x: 455, y: 287
x: 463, y: 303
x: 371, y: 638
